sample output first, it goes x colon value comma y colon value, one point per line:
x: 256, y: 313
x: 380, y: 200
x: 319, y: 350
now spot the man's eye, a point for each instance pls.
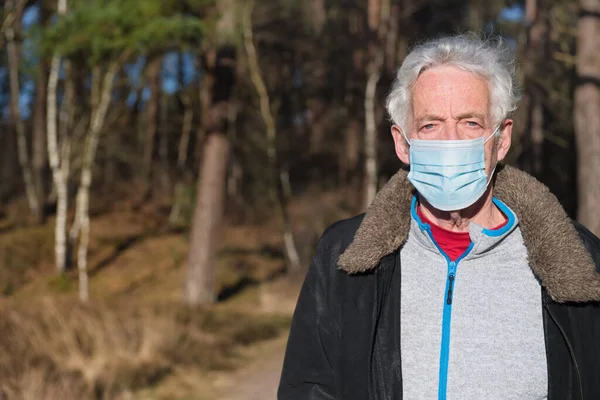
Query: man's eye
x: 472, y: 124
x: 428, y: 126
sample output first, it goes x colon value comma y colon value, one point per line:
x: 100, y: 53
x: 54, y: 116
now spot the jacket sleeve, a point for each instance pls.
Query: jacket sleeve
x: 307, y: 368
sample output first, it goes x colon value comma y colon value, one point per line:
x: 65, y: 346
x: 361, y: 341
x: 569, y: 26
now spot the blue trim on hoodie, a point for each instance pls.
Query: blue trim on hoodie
x: 509, y: 225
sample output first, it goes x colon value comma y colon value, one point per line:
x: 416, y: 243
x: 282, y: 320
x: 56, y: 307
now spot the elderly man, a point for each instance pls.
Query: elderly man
x: 465, y: 279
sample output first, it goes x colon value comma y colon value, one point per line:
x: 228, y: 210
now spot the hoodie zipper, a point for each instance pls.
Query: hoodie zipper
x: 446, y: 315
x: 446, y: 320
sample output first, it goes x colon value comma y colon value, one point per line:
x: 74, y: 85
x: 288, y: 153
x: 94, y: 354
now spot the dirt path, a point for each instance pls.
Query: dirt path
x: 258, y: 380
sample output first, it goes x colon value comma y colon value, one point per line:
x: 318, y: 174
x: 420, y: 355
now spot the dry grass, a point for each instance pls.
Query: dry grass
x: 136, y: 334
x: 22, y: 253
x: 65, y: 351
x: 70, y: 351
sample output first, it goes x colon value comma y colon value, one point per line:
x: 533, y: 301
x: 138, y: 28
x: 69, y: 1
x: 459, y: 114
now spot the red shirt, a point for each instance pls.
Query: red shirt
x: 454, y: 244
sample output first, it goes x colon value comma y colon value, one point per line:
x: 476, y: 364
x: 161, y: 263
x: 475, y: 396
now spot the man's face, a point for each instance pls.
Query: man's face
x: 451, y: 104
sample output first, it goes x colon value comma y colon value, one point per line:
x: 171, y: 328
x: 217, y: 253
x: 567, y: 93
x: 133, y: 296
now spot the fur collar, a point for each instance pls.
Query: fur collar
x: 556, y: 253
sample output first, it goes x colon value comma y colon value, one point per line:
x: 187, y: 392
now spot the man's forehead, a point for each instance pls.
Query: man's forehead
x: 442, y: 89
x: 449, y: 78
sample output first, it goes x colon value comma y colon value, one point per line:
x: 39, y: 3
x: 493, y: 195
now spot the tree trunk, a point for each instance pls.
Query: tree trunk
x: 40, y: 155
x: 186, y: 132
x: 208, y: 215
x: 374, y: 14
x: 236, y: 172
x: 391, y: 45
x: 537, y: 136
x: 351, y: 154
x: 59, y: 162
x: 216, y: 91
x: 378, y: 22
x: 350, y: 167
x: 530, y: 114
x: 215, y: 96
x: 59, y: 167
x: 205, y: 88
x: 182, y: 155
x: 65, y: 120
x: 475, y: 17
x: 83, y: 194
x: 320, y: 123
x: 8, y: 164
x: 163, y: 144
x: 152, y: 114
x: 318, y: 15
x: 12, y: 32
x: 113, y: 138
x: 371, y: 135
x: 280, y: 179
x: 587, y: 115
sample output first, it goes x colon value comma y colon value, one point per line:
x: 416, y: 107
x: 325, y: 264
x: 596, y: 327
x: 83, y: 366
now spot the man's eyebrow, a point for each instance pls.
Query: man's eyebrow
x: 434, y: 117
x: 429, y: 117
x: 471, y: 115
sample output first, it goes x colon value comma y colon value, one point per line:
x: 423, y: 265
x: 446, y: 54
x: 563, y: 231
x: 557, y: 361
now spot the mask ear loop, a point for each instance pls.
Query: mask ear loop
x: 492, y: 135
x: 494, y: 169
x: 405, y: 138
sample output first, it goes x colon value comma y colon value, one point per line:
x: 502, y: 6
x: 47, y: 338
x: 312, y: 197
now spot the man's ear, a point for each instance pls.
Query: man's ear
x: 402, y: 150
x: 504, y: 141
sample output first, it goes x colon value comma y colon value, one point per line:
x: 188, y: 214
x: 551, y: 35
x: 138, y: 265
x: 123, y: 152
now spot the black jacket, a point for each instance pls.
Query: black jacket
x: 344, y: 341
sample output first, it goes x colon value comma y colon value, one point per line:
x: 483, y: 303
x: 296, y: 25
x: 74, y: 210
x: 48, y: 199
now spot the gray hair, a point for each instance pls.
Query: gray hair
x: 490, y: 59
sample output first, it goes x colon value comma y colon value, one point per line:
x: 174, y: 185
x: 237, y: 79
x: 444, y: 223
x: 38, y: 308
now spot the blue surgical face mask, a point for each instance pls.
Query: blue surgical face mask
x: 450, y: 174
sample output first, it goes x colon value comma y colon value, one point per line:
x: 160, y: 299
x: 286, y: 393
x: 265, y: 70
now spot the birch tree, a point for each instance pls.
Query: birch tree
x: 587, y: 113
x: 58, y: 157
x: 100, y: 101
x: 280, y: 179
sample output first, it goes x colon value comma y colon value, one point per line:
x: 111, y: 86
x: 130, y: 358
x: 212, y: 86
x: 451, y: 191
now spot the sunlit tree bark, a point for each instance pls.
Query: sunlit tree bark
x: 58, y: 156
x: 216, y: 92
x: 208, y: 215
x: 587, y: 113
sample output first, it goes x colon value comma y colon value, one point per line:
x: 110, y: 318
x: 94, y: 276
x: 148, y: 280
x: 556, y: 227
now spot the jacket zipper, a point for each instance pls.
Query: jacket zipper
x: 446, y: 316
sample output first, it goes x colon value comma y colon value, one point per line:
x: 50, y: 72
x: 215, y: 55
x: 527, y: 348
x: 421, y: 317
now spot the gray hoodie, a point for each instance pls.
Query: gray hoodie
x: 471, y: 329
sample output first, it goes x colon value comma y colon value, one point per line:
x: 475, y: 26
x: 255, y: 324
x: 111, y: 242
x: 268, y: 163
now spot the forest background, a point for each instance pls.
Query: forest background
x: 167, y: 166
